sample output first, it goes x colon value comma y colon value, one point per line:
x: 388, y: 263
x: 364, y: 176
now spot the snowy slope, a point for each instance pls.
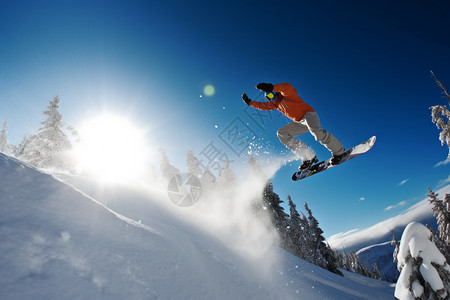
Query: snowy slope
x: 59, y: 243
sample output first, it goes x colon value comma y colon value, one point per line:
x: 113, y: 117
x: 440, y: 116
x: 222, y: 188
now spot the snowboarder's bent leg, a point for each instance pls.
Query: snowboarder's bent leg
x: 324, y: 137
x: 300, y: 149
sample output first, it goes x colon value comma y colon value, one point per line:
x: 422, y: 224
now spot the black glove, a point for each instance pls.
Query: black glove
x: 246, y: 99
x: 265, y: 87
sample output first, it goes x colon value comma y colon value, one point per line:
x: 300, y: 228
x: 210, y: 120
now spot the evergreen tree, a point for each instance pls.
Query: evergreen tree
x: 193, y: 165
x: 30, y: 150
x: 315, y: 238
x: 355, y: 264
x: 340, y: 262
x: 351, y: 262
x: 340, y: 258
x: 366, y: 270
x: 330, y: 259
x: 321, y: 254
x: 5, y: 147
x: 445, y: 231
x: 442, y: 214
x: 167, y: 169
x: 21, y: 149
x: 441, y: 117
x: 49, y: 147
x: 376, y: 272
x: 395, y: 243
x: 276, y: 212
x: 347, y: 263
x: 440, y: 244
x: 296, y: 232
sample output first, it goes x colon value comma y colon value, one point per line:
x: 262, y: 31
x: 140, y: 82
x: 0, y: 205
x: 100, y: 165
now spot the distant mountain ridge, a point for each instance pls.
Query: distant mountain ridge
x: 355, y: 240
x: 373, y: 244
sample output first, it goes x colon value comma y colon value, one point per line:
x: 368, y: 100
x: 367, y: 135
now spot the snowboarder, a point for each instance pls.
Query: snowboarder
x: 284, y: 97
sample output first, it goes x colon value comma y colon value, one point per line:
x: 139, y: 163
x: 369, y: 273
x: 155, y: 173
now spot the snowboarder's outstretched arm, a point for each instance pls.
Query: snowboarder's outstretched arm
x: 258, y: 105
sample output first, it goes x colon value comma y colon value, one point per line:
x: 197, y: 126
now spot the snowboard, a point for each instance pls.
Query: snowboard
x: 326, y: 164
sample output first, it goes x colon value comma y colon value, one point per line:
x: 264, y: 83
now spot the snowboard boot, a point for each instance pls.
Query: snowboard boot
x: 307, y: 164
x: 336, y: 159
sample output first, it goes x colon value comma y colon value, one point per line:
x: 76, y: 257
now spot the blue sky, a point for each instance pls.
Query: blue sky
x: 363, y: 66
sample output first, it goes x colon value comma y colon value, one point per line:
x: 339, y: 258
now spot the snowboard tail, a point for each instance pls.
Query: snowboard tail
x: 326, y: 164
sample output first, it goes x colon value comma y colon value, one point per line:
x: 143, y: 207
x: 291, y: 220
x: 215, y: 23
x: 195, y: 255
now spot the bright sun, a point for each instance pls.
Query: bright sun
x: 112, y: 148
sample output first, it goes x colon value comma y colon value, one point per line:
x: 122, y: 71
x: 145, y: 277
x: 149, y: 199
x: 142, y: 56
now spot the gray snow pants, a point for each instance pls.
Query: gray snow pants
x: 311, y: 123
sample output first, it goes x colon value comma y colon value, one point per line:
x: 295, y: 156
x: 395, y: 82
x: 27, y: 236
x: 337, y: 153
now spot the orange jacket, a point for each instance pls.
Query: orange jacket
x: 290, y: 103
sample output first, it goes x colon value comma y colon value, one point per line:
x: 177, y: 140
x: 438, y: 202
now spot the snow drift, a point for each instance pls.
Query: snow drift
x: 423, y: 266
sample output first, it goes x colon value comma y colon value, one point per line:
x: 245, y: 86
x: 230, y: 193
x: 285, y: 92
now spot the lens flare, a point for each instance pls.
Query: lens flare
x: 209, y: 90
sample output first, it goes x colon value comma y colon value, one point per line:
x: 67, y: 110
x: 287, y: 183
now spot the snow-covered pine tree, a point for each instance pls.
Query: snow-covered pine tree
x: 193, y: 165
x: 445, y: 233
x: 167, y: 169
x: 441, y: 211
x: 347, y: 262
x: 330, y: 259
x: 272, y: 202
x: 442, y: 214
x: 354, y: 262
x: 5, y: 147
x: 340, y: 260
x: 440, y: 244
x: 315, y: 237
x: 351, y: 262
x: 29, y: 150
x: 366, y: 270
x: 49, y: 147
x: 296, y: 232
x: 438, y: 114
x: 21, y: 148
x: 424, y: 272
x: 306, y: 238
x: 441, y: 117
x: 375, y: 272
x: 321, y: 253
x: 395, y: 243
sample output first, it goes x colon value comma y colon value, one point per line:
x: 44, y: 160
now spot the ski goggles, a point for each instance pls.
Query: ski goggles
x: 271, y: 96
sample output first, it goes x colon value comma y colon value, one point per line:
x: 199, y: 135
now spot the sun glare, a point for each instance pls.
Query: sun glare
x: 112, y: 148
